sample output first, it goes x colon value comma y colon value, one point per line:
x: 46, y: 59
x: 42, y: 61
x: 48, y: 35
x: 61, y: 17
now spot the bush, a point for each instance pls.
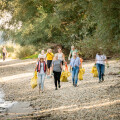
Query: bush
x: 10, y: 48
x: 31, y: 57
x: 25, y: 51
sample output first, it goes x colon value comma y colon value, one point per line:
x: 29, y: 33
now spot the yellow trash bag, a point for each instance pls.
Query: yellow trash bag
x: 34, y: 80
x: 64, y: 76
x: 94, y: 71
x: 80, y: 74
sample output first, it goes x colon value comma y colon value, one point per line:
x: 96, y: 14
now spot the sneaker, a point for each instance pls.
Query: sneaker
x: 55, y: 88
x: 59, y: 86
x: 99, y: 82
x: 75, y: 85
x: 102, y: 78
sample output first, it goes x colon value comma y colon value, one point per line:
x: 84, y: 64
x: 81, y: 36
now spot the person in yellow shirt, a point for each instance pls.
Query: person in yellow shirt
x: 49, y: 56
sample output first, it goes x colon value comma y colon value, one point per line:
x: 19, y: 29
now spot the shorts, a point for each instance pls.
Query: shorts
x: 49, y: 62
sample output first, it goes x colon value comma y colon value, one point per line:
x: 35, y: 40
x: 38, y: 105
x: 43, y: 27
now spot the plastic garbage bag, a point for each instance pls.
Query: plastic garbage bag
x: 94, y: 71
x: 80, y: 74
x: 64, y: 76
x: 34, y: 80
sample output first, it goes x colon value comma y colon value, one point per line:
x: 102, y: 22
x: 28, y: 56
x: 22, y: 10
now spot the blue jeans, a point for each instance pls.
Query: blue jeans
x: 101, y: 70
x: 75, y: 71
x: 41, y: 78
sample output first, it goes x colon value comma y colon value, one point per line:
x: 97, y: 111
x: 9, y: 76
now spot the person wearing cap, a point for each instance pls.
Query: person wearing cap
x: 41, y: 71
x: 57, y: 68
x: 75, y: 65
x: 100, y: 64
x: 72, y: 51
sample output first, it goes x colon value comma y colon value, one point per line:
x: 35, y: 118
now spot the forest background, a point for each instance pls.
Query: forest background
x: 40, y: 24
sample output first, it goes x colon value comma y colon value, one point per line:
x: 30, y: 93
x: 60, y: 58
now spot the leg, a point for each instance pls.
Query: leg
x: 39, y: 81
x: 59, y: 74
x: 3, y: 56
x: 55, y: 79
x: 73, y: 75
x: 76, y: 75
x: 62, y: 62
x: 102, y: 71
x: 99, y: 71
x: 42, y: 81
x: 48, y: 67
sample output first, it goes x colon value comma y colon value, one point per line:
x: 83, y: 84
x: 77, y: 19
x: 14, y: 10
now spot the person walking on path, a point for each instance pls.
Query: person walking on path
x: 43, y: 54
x: 75, y: 65
x: 41, y: 71
x: 72, y: 51
x: 57, y: 68
x: 49, y: 56
x: 4, y: 51
x: 100, y: 64
x: 61, y: 56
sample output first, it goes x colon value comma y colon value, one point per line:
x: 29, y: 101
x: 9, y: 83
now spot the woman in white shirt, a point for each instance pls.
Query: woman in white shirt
x: 42, y: 54
x: 100, y: 64
x: 61, y: 55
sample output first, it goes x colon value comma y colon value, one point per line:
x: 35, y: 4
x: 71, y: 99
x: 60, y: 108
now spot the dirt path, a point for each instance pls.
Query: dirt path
x: 89, y: 101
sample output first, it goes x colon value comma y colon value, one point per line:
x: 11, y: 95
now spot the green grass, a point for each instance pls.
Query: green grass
x: 31, y: 57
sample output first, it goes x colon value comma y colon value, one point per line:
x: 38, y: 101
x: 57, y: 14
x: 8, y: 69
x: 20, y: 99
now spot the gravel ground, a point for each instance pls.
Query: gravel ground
x: 89, y: 101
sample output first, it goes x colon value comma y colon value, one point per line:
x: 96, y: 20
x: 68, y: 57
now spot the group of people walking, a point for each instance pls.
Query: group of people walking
x: 49, y: 63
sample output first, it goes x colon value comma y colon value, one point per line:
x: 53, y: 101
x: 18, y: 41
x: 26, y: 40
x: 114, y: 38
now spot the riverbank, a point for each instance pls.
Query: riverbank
x: 90, y: 100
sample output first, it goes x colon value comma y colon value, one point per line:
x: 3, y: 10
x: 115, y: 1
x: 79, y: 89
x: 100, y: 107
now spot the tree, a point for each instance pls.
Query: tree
x: 78, y: 22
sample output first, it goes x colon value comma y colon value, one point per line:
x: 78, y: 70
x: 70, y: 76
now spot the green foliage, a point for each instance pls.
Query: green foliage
x: 86, y: 24
x: 25, y: 51
x: 34, y: 56
x: 10, y: 48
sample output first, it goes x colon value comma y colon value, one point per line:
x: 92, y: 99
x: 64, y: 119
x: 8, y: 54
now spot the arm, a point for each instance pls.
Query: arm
x: 70, y: 54
x: 61, y: 65
x: 71, y: 64
x: 36, y: 67
x: 107, y: 62
x: 79, y: 63
x: 52, y: 67
x: 63, y: 57
x: 95, y: 59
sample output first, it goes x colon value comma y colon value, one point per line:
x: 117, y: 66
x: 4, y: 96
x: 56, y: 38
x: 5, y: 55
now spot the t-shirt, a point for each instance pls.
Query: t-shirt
x: 72, y: 51
x: 57, y: 65
x: 100, y: 59
x: 60, y: 56
x: 41, y: 68
x: 49, y: 56
x: 44, y: 55
x: 75, y: 62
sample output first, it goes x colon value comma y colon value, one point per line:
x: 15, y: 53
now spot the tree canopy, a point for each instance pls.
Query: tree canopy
x: 84, y: 23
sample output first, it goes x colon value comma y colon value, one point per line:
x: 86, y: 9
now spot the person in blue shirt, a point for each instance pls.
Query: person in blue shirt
x: 75, y: 65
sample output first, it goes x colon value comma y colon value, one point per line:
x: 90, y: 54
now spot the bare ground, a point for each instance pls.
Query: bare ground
x: 89, y: 101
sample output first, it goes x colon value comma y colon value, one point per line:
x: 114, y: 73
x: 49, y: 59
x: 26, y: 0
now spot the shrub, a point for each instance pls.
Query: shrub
x: 25, y: 51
